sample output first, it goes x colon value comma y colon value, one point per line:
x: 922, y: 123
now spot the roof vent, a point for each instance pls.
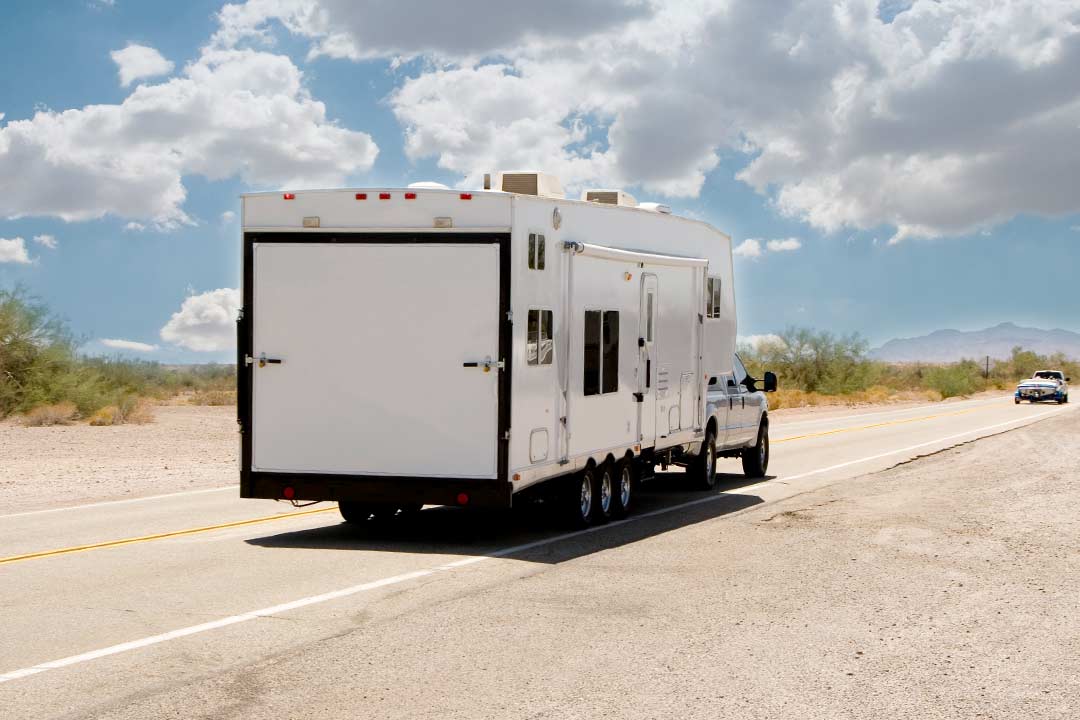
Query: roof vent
x: 609, y: 197
x: 656, y: 207
x: 530, y: 183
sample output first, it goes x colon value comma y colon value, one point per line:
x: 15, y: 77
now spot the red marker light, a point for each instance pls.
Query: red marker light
x: 290, y: 196
x: 410, y: 196
x: 466, y: 196
x: 384, y: 196
x: 462, y: 499
x: 361, y: 196
x: 288, y: 493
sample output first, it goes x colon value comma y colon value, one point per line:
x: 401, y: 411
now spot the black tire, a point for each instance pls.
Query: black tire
x: 703, y: 468
x: 579, y: 498
x: 605, y: 491
x: 755, y: 459
x: 1016, y: 400
x: 625, y: 490
x: 355, y: 512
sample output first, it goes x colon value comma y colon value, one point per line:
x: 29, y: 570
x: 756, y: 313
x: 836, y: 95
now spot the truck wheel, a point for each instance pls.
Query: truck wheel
x: 703, y: 469
x: 1016, y: 401
x: 625, y: 488
x: 355, y: 512
x: 755, y: 460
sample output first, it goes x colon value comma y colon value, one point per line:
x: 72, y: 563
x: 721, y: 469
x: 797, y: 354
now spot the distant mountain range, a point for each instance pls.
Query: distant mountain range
x: 997, y: 342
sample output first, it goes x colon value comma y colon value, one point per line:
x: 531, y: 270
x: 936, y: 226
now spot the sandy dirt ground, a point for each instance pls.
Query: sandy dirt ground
x: 185, y: 448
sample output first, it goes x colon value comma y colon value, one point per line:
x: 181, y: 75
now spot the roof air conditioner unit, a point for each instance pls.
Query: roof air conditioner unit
x: 530, y: 183
x: 609, y: 197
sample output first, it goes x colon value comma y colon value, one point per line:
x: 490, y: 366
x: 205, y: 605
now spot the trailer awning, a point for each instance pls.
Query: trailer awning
x: 632, y: 256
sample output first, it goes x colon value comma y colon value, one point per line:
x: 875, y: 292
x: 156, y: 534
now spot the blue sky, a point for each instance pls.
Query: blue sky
x: 971, y: 247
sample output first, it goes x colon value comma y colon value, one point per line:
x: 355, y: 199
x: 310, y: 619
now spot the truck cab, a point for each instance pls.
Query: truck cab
x: 736, y: 404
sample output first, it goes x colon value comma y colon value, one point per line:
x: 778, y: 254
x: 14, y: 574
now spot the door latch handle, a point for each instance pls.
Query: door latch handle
x: 263, y: 360
x: 486, y: 364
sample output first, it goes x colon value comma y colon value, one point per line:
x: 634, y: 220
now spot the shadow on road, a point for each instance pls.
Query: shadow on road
x: 661, y: 507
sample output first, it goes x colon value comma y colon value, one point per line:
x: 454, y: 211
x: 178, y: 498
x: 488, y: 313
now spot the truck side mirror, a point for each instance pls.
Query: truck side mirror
x: 770, y: 382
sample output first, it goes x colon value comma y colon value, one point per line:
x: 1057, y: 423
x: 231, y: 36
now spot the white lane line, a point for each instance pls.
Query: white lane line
x: 446, y: 567
x: 126, y: 501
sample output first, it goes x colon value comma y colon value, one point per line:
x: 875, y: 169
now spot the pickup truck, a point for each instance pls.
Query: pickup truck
x: 1043, y: 386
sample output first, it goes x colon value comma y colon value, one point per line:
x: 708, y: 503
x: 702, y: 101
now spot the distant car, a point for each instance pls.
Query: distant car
x: 1044, y: 385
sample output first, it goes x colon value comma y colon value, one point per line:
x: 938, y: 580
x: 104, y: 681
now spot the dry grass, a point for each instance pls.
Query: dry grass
x: 129, y: 411
x: 876, y: 395
x: 61, y: 413
x: 214, y: 397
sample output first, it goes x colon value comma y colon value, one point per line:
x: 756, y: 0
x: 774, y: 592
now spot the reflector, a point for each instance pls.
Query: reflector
x: 290, y: 196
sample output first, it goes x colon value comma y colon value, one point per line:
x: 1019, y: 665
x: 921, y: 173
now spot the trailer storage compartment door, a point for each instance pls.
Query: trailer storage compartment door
x: 382, y: 348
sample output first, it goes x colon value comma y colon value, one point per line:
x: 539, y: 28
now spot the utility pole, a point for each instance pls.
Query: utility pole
x: 986, y: 375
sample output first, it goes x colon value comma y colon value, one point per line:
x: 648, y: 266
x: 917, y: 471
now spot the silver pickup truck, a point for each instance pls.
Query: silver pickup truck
x: 1044, y: 386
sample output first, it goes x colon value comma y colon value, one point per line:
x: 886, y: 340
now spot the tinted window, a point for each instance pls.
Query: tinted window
x: 713, y: 298
x: 592, y: 352
x: 539, y: 339
x: 537, y: 250
x: 610, y: 376
x: 740, y: 371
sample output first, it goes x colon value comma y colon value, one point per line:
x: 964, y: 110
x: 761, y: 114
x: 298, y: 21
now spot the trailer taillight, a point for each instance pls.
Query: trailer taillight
x: 361, y: 196
x: 288, y: 493
x: 289, y: 196
x: 463, y: 499
x: 466, y: 196
x: 410, y: 196
x: 384, y: 196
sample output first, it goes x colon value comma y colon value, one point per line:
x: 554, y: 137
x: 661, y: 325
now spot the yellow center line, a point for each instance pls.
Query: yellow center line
x: 285, y: 516
x: 875, y: 425
x: 161, y: 536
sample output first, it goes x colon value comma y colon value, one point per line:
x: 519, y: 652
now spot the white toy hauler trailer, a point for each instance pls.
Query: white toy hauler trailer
x: 402, y: 347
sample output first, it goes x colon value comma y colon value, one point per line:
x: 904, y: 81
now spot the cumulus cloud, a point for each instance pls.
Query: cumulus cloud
x: 757, y: 342
x: 205, y: 322
x: 231, y: 113
x: 786, y: 245
x: 749, y: 248
x: 118, y: 344
x: 136, y: 62
x: 48, y: 241
x: 13, y: 251
x: 933, y: 118
x: 228, y: 217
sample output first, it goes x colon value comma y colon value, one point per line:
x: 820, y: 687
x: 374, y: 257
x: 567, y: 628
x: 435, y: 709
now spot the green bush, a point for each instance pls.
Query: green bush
x: 963, y: 378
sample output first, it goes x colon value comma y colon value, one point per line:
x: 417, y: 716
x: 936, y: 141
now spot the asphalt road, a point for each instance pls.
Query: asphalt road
x: 242, y: 602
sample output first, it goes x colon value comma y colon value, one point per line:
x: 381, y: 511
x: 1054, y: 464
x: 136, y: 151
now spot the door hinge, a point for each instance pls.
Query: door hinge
x: 248, y: 360
x: 506, y: 435
x: 510, y: 316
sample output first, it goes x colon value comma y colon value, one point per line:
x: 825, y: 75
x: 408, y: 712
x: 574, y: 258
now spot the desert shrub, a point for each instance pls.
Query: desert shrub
x: 954, y: 380
x: 214, y: 397
x: 130, y: 410
x: 60, y: 413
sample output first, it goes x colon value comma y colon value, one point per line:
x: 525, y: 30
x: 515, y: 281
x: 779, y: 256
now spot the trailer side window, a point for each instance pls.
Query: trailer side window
x: 713, y: 298
x: 540, y: 343
x: 601, y: 352
x: 537, y: 248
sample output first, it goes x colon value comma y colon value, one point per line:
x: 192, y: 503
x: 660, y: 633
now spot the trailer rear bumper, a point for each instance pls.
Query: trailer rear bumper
x: 476, y: 492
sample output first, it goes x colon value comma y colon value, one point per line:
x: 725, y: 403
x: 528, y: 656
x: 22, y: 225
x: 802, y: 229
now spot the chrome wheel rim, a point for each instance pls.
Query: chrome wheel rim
x: 763, y: 451
x: 586, y: 495
x: 605, y: 491
x: 624, y: 487
x: 710, y: 461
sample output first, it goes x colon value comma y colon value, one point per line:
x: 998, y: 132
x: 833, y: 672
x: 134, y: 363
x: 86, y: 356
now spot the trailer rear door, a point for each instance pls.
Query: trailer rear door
x: 377, y: 343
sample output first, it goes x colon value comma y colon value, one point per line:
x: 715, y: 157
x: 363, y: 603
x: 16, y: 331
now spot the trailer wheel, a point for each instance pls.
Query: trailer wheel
x: 625, y: 488
x: 580, y: 498
x: 703, y: 468
x: 605, y: 491
x: 755, y: 460
x: 355, y: 512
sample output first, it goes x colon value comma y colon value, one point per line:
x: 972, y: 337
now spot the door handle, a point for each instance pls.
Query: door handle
x: 486, y: 364
x: 263, y: 360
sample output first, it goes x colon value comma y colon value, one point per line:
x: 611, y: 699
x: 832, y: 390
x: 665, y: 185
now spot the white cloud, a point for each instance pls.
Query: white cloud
x: 205, y: 322
x: 134, y: 227
x: 230, y: 113
x: 228, y: 217
x: 934, y: 118
x: 136, y: 62
x: 13, y: 251
x: 786, y: 245
x: 118, y: 344
x: 749, y: 248
x: 48, y: 241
